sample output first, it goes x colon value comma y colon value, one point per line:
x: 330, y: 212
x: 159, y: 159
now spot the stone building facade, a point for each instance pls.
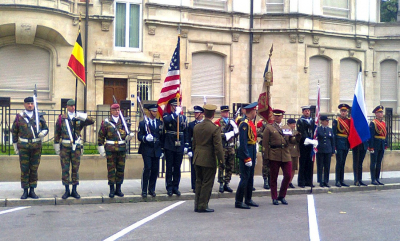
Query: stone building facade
x: 130, y: 43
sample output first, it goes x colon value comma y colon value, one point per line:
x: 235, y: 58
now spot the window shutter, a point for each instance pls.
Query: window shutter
x: 389, y: 84
x: 348, y: 77
x: 320, y: 70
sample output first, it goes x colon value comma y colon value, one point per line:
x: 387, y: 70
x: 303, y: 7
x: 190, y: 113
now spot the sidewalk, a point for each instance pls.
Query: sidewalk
x: 96, y: 192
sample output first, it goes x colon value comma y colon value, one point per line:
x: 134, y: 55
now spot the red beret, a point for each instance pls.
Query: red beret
x: 114, y: 106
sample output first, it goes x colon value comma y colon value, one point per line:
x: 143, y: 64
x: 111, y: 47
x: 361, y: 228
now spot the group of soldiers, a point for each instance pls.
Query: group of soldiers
x: 210, y: 145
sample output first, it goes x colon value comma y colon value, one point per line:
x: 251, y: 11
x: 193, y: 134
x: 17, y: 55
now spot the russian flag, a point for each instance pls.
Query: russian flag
x: 359, y: 130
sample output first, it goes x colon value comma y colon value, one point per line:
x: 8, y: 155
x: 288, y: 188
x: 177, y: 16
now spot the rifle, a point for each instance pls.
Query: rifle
x: 146, y: 121
x: 122, y: 117
x: 237, y: 113
x: 36, y: 110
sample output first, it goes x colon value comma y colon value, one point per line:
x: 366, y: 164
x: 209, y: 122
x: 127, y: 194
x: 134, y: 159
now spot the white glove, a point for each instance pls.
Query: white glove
x: 229, y: 135
x: 315, y: 144
x: 185, y: 150
x: 42, y: 134
x: 257, y: 148
x: 101, y: 151
x: 129, y: 137
x: 249, y: 164
x: 16, y: 148
x: 162, y: 155
x: 57, y: 148
x: 237, y: 143
x: 81, y: 116
x: 149, y: 138
x: 178, y: 110
x: 235, y: 128
x: 190, y: 154
x: 308, y: 141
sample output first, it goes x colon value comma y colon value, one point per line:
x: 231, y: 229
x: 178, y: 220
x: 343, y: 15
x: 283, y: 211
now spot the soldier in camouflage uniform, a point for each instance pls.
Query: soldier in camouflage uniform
x: 261, y: 124
x: 113, y: 136
x: 70, y: 151
x: 28, y: 144
x: 228, y: 131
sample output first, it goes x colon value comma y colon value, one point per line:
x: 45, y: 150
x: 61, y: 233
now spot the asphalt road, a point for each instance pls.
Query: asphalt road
x: 341, y: 216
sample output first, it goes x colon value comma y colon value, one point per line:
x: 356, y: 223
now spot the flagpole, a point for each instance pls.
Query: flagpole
x: 76, y: 99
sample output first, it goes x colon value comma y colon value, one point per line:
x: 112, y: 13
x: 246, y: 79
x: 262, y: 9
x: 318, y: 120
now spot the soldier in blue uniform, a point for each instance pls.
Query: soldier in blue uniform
x: 359, y: 152
x: 198, y: 116
x: 174, y: 148
x: 326, y: 149
x: 377, y: 144
x: 150, y: 135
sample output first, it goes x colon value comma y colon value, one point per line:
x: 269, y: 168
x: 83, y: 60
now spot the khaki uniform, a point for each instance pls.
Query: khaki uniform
x: 295, y: 152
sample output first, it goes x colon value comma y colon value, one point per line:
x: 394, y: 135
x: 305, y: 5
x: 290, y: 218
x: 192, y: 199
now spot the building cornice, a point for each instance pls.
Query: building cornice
x: 128, y: 62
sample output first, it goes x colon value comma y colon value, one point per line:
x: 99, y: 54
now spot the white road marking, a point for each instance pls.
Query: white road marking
x: 13, y: 210
x: 141, y: 222
x: 312, y: 219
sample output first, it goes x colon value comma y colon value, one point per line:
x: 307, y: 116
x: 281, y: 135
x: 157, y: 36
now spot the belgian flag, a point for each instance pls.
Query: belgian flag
x: 76, y: 62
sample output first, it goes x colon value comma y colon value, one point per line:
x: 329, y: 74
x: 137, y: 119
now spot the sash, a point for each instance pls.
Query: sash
x: 252, y: 133
x: 380, y: 127
x: 346, y: 127
x: 69, y: 130
x: 115, y: 128
x: 27, y: 122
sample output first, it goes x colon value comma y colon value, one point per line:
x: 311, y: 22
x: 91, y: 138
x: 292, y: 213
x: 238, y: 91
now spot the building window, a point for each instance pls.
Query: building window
x: 274, y: 6
x: 22, y: 67
x: 336, y: 8
x: 349, y: 69
x: 144, y: 89
x: 211, y: 4
x: 320, y: 72
x: 128, y: 24
x: 389, y: 89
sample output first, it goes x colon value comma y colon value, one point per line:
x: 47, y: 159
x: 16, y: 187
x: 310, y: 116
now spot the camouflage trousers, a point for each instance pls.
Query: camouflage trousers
x: 29, y: 160
x: 69, y: 157
x: 265, y: 167
x: 115, y: 166
x: 229, y: 156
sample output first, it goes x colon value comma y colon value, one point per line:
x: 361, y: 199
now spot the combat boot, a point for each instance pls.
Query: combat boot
x: 118, y: 191
x: 25, y: 194
x: 32, y: 193
x: 74, y: 193
x: 227, y: 188
x: 67, y: 193
x: 112, y: 191
x: 221, y: 187
x: 266, y: 183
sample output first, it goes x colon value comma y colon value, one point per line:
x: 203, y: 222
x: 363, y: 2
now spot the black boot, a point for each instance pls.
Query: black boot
x: 112, y: 191
x: 74, y: 193
x: 266, y: 183
x: 67, y: 193
x: 227, y: 188
x: 25, y: 194
x: 221, y: 187
x: 32, y: 193
x: 118, y: 191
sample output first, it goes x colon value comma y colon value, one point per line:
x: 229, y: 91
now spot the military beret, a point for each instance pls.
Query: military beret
x: 324, y: 118
x: 209, y: 107
x: 28, y: 99
x: 173, y: 102
x: 71, y: 102
x: 198, y: 109
x: 378, y: 109
x: 291, y: 121
x: 305, y: 107
x: 343, y: 107
x: 251, y: 106
x: 278, y: 112
x: 224, y: 108
x: 114, y: 106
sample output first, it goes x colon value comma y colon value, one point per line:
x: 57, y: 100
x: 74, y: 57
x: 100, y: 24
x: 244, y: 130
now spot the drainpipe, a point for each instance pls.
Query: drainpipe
x: 251, y: 50
x: 86, y: 56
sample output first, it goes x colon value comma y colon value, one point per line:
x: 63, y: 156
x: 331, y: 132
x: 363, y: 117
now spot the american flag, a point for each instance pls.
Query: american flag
x: 171, y: 87
x: 317, y: 109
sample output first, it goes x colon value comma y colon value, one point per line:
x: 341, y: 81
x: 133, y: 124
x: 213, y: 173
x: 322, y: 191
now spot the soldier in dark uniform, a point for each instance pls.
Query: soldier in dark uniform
x: 198, y: 116
x: 247, y: 158
x: 70, y: 151
x: 261, y: 124
x: 112, y: 144
x: 341, y: 130
x: 174, y: 148
x: 326, y: 149
x: 306, y: 126
x: 208, y: 151
x: 294, y: 150
x: 377, y: 144
x: 27, y: 144
x: 228, y: 131
x: 150, y: 135
x: 359, y: 153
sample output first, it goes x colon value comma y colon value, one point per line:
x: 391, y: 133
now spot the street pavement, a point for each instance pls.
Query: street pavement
x: 96, y: 191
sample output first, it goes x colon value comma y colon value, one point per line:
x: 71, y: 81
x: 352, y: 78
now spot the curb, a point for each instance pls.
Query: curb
x: 14, y: 202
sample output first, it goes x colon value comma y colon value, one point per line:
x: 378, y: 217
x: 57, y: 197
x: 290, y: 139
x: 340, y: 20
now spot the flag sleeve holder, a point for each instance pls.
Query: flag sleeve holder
x: 177, y: 142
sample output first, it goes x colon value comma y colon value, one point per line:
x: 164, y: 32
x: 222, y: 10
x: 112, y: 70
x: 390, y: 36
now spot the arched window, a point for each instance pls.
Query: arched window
x: 349, y: 69
x: 23, y: 66
x: 320, y: 71
x: 207, y: 79
x: 389, y: 84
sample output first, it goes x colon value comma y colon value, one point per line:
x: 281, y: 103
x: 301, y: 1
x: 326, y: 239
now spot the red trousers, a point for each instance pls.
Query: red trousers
x: 274, y: 171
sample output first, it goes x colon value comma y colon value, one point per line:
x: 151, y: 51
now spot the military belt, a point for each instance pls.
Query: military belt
x: 278, y: 146
x: 229, y: 145
x: 380, y: 137
x: 173, y: 132
x: 115, y: 142
x: 68, y: 141
x: 33, y: 140
x: 342, y: 135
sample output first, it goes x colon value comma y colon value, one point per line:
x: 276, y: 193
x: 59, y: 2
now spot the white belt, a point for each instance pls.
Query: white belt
x: 115, y: 142
x: 77, y: 142
x: 28, y: 140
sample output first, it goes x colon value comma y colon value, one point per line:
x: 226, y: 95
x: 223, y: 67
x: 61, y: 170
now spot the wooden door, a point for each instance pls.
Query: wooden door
x: 116, y: 87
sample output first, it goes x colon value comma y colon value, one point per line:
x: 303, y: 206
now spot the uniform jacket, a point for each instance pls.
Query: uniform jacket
x: 294, y: 147
x: 21, y: 128
x: 326, y: 140
x: 154, y: 148
x: 248, y: 140
x: 191, y: 126
x: 61, y: 131
x: 170, y: 128
x: 225, y: 128
x: 306, y: 128
x: 109, y: 132
x: 378, y: 132
x: 207, y: 144
x: 341, y: 130
x: 261, y: 124
x: 276, y: 144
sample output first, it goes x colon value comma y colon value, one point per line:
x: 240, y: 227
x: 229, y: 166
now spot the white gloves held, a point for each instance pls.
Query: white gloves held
x: 257, y: 148
x: 162, y: 155
x: 235, y: 128
x: 149, y: 138
x: 229, y: 135
x: 190, y: 154
x: 81, y: 116
x: 42, y: 134
x: 178, y: 110
x: 309, y: 141
x: 237, y: 143
x: 57, y: 148
x: 16, y: 148
x: 249, y: 164
x: 130, y: 136
x: 101, y: 151
x: 185, y: 150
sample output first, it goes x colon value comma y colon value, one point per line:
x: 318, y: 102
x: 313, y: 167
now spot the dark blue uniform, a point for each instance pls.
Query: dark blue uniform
x: 359, y: 152
x: 190, y: 139
x: 151, y: 152
x: 173, y: 153
x: 306, y: 165
x: 378, y: 143
x: 326, y: 147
